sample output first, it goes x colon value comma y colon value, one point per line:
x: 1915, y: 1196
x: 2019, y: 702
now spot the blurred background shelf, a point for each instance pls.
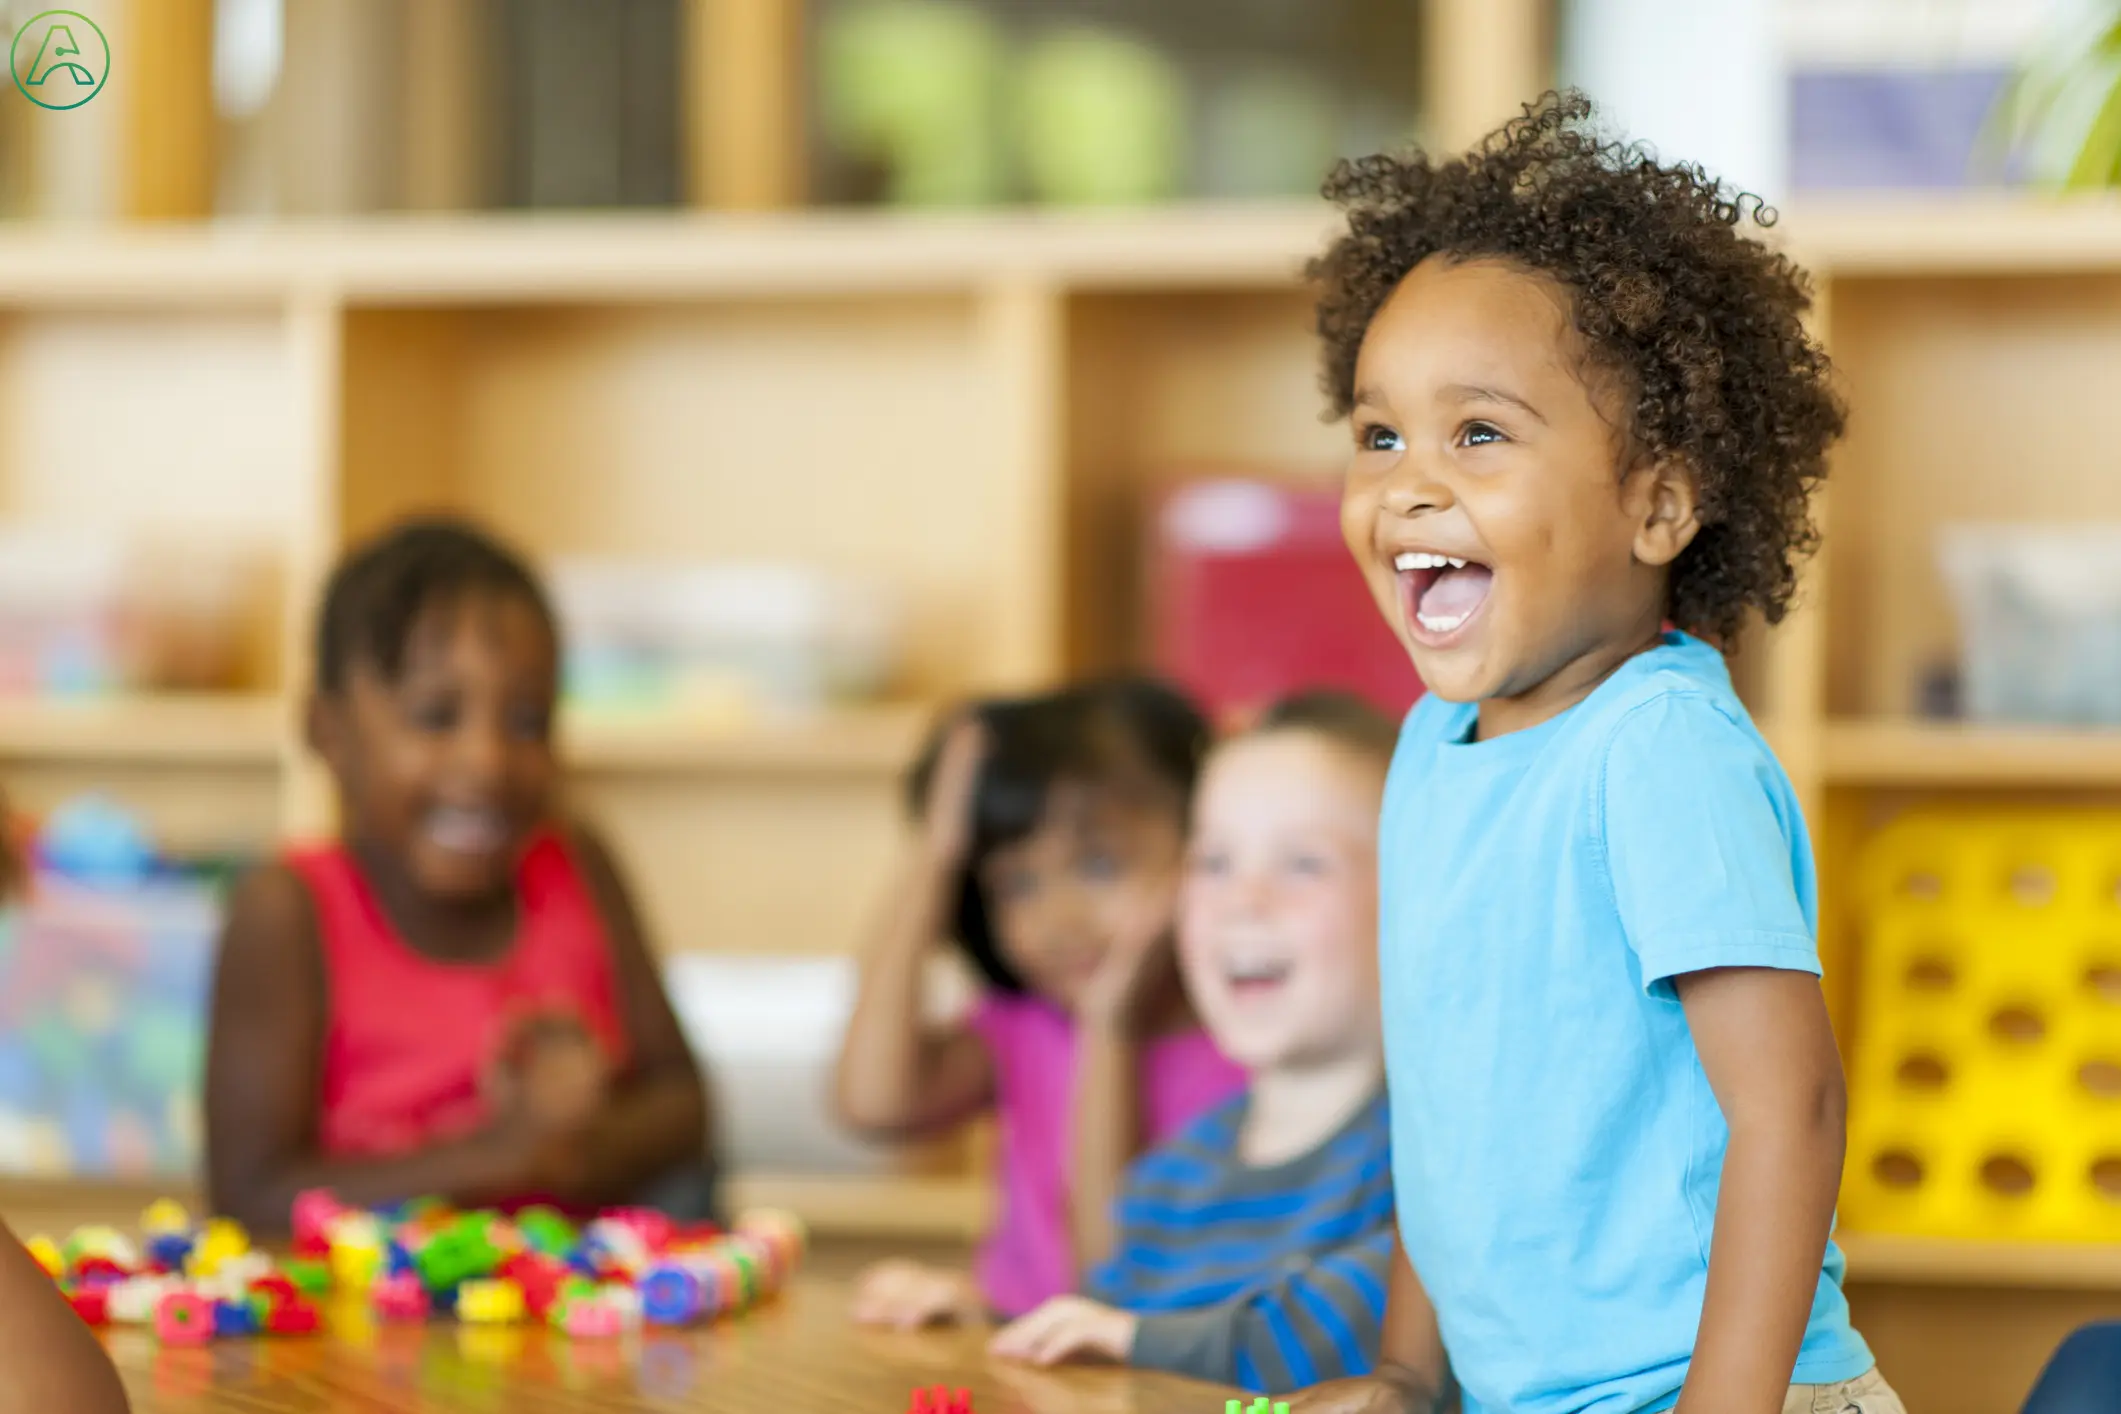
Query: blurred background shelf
x: 852, y: 741
x: 246, y: 729
x: 2044, y: 1266
x: 1912, y: 752
x: 392, y: 261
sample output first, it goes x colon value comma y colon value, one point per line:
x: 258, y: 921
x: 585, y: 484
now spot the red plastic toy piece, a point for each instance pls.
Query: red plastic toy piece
x: 313, y: 1211
x: 184, y: 1318
x: 400, y: 1297
x: 277, y: 1286
x: 941, y: 1400
x: 652, y: 1227
x: 91, y: 1304
x: 540, y: 1277
x: 293, y: 1317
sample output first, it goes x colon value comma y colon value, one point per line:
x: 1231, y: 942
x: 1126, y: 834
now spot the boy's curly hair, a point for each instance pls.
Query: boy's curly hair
x: 1704, y: 324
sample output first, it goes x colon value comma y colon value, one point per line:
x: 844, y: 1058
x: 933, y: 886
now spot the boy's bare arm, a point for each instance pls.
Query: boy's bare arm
x: 48, y: 1359
x: 1768, y: 1050
x: 1413, y: 1374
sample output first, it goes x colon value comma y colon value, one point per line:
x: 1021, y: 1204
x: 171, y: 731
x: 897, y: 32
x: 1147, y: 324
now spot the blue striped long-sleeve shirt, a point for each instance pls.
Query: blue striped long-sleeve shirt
x: 1266, y: 1278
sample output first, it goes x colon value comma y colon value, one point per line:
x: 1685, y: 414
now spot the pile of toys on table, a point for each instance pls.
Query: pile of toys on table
x: 190, y: 1283
x: 626, y: 1266
x: 425, y: 1258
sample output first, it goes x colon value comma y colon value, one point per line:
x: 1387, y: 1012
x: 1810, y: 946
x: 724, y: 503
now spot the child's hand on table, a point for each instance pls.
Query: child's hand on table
x: 907, y: 1295
x: 1067, y: 1328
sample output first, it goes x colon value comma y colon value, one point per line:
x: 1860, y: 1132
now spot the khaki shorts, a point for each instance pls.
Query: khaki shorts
x: 1867, y: 1394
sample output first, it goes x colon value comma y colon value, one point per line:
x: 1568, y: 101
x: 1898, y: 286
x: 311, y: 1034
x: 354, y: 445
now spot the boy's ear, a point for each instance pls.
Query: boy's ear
x: 1664, y: 499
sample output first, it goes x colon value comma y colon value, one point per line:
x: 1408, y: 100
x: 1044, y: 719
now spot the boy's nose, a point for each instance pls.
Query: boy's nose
x: 1415, y: 492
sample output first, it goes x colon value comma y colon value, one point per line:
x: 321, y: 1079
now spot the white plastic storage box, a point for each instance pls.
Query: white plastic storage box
x: 2040, y: 620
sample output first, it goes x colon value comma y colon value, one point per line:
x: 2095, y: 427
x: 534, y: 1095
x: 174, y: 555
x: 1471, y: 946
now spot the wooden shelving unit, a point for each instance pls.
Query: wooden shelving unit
x: 234, y: 729
x: 1919, y: 754
x: 2027, y: 1266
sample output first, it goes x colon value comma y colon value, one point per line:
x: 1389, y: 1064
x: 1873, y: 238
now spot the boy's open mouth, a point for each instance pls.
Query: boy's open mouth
x: 1255, y: 978
x: 1440, y: 594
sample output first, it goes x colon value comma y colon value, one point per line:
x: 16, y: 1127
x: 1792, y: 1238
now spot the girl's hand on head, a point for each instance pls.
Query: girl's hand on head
x: 946, y: 815
x: 905, y: 1296
x: 1067, y: 1328
x: 1138, y: 969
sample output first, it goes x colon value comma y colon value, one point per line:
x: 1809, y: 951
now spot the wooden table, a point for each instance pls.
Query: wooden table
x: 797, y: 1355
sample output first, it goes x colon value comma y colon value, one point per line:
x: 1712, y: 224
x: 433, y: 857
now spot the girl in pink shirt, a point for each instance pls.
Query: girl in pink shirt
x: 1052, y: 832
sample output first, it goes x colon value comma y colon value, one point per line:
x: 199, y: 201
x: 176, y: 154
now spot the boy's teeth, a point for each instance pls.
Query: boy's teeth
x: 1422, y: 560
x: 1441, y: 623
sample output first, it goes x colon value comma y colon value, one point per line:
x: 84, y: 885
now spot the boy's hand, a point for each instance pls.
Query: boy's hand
x: 1067, y: 1328
x: 1381, y: 1393
x: 907, y: 1295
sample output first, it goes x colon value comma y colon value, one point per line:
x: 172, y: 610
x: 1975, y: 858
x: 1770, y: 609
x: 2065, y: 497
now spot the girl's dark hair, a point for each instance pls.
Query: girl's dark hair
x: 1702, y: 323
x: 1342, y: 718
x: 1131, y: 734
x: 379, y: 591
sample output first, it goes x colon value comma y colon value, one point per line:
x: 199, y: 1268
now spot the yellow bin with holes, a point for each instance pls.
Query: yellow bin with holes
x: 1985, y: 1080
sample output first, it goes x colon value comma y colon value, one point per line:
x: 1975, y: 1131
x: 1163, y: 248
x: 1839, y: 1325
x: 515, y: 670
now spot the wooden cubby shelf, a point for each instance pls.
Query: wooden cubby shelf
x: 1929, y: 1261
x: 1912, y: 752
x: 242, y: 729
x: 855, y: 741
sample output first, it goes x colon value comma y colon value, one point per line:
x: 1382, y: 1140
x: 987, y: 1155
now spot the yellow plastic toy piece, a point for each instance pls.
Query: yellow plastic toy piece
x: 163, y: 1217
x: 220, y: 1241
x: 495, y: 1302
x: 1986, y: 1078
x: 355, y: 1265
x: 45, y: 1253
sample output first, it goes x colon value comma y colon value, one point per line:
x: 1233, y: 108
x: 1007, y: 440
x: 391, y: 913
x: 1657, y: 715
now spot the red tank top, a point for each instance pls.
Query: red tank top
x: 407, y: 1039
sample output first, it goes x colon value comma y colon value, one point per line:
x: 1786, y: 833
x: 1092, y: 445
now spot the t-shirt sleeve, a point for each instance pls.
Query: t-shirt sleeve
x: 1308, y: 1321
x: 1704, y: 844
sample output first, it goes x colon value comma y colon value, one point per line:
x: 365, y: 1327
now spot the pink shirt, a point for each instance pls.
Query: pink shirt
x: 1027, y: 1257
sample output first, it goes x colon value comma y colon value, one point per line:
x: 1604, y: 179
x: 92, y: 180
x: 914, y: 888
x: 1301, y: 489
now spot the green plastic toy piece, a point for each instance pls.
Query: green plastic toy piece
x: 547, y: 1231
x: 311, y: 1278
x: 458, y: 1253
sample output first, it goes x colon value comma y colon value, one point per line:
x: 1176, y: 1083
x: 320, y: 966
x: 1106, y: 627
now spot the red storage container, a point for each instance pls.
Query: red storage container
x: 1254, y: 596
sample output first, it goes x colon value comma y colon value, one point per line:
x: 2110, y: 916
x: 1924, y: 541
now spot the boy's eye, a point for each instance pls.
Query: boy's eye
x: 1308, y: 865
x: 1376, y: 438
x: 1480, y: 434
x: 1211, y: 862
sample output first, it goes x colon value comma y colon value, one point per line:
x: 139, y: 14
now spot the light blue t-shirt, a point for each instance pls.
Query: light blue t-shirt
x: 1556, y: 1146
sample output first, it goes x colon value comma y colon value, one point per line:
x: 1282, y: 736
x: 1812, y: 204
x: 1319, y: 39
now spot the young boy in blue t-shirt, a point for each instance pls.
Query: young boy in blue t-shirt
x: 1587, y: 418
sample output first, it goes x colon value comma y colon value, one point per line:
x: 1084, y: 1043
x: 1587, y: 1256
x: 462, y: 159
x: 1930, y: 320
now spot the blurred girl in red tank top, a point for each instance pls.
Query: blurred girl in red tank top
x: 454, y: 997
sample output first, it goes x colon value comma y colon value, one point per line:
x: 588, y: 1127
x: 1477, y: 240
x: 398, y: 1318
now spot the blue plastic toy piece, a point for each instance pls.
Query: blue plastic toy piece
x: 671, y: 1296
x: 234, y: 1318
